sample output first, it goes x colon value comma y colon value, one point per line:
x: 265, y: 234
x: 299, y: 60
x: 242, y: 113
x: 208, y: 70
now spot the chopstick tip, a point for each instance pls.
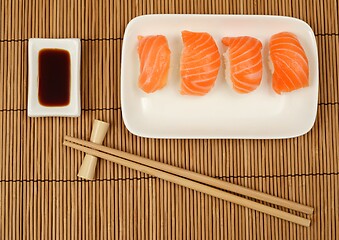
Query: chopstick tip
x: 66, y: 143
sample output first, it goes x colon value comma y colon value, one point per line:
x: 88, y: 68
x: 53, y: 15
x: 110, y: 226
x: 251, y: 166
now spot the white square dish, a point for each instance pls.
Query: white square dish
x: 35, y: 108
x: 222, y: 113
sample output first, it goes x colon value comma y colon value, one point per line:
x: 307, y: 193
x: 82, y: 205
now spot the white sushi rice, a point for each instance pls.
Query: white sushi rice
x: 271, y: 69
x: 270, y: 64
x: 227, y: 68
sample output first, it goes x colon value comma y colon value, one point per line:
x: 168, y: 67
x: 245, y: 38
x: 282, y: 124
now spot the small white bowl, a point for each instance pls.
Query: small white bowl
x: 35, y: 109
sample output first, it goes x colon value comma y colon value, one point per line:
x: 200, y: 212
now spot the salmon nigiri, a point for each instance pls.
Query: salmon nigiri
x: 244, y: 62
x: 154, y: 56
x: 200, y: 62
x: 289, y: 62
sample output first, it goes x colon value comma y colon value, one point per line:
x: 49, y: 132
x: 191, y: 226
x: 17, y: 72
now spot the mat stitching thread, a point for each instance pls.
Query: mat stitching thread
x: 326, y: 34
x: 101, y: 39
x: 117, y: 108
x: 329, y: 103
x: 86, y: 109
x: 82, y: 39
x: 120, y: 38
x: 99, y: 109
x: 145, y: 178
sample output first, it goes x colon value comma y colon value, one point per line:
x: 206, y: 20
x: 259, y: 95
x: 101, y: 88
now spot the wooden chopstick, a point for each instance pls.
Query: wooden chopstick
x: 190, y: 184
x: 197, y: 177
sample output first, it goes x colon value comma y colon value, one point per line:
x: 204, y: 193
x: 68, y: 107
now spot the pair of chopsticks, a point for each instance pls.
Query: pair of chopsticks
x: 195, y: 181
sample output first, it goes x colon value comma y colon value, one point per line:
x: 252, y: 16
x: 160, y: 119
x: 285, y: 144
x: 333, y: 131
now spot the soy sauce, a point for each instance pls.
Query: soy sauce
x: 54, y: 77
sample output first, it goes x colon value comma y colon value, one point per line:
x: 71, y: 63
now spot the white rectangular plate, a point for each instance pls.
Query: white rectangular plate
x: 222, y: 113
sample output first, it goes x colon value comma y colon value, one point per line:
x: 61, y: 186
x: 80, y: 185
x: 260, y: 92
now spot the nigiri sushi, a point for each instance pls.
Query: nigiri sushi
x: 200, y: 62
x: 243, y: 62
x: 154, y: 56
x: 290, y: 64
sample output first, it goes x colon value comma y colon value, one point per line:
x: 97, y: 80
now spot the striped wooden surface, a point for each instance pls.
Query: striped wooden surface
x: 40, y: 195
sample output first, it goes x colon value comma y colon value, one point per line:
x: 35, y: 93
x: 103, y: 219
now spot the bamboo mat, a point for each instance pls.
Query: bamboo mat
x: 40, y: 194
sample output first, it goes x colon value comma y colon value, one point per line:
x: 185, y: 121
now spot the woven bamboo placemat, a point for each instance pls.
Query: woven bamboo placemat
x: 40, y: 194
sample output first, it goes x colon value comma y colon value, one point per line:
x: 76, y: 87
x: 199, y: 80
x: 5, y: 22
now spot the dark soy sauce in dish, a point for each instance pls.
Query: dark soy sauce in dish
x: 54, y: 77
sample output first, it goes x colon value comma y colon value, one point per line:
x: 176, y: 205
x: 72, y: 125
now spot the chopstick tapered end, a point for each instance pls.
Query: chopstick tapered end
x: 67, y: 138
x: 307, y: 223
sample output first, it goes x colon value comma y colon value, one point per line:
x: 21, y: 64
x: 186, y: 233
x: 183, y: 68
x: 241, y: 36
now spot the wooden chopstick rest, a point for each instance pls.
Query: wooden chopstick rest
x: 87, y: 169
